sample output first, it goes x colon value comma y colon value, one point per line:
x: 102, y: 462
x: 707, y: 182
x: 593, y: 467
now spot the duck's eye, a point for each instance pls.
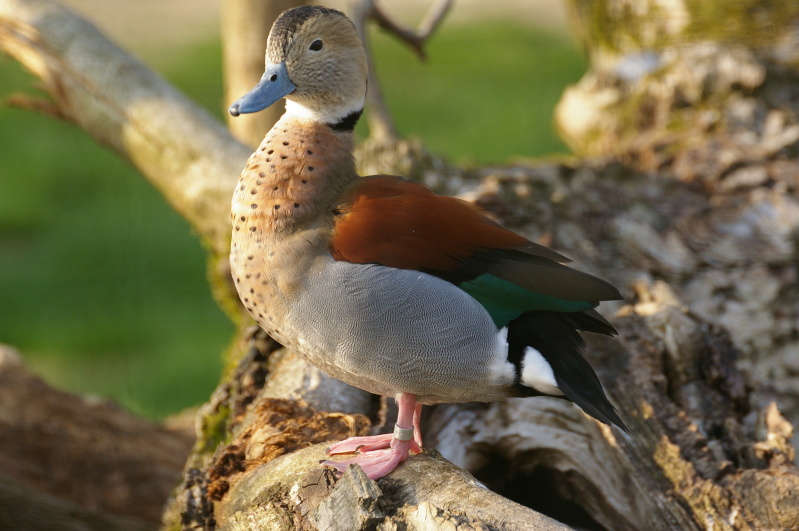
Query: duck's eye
x: 316, y: 45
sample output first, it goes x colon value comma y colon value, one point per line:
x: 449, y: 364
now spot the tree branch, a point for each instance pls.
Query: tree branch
x: 381, y: 124
x: 415, y: 38
x: 179, y: 147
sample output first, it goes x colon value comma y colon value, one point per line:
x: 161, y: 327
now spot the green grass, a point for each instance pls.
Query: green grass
x: 102, y: 285
x: 486, y: 93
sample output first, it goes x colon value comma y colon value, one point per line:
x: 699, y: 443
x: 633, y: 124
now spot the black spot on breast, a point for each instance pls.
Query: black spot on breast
x: 310, y: 168
x: 270, y: 151
x: 254, y: 206
x: 277, y: 207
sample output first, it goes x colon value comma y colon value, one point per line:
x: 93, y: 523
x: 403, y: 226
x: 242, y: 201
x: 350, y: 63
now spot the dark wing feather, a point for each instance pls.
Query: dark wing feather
x: 554, y: 335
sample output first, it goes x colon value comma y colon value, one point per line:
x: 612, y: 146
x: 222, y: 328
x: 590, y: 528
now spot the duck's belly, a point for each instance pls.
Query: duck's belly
x: 389, y: 331
x: 270, y: 274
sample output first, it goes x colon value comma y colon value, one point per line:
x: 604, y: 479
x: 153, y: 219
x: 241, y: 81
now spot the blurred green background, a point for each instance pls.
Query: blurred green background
x: 102, y: 285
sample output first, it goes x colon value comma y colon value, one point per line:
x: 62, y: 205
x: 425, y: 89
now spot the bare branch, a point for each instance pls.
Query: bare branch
x: 433, y: 19
x: 415, y: 38
x: 381, y: 124
x: 184, y: 152
x: 40, y: 105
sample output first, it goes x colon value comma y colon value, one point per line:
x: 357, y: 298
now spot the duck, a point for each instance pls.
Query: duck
x: 382, y: 283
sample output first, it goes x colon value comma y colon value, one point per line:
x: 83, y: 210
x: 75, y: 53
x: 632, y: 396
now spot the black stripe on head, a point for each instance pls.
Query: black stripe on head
x: 289, y: 23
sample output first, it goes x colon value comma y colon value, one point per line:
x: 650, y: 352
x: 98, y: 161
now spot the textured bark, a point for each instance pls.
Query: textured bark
x: 705, y: 96
x: 695, y: 215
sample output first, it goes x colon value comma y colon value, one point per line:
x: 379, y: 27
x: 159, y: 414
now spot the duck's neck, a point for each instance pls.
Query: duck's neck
x: 294, y: 175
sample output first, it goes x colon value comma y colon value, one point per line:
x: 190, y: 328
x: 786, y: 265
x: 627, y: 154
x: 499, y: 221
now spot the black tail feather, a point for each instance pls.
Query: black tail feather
x: 554, y: 335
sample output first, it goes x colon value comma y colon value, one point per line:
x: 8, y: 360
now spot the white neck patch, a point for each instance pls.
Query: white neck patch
x: 330, y: 115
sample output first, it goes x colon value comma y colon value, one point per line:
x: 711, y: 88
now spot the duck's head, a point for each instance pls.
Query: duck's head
x: 315, y: 59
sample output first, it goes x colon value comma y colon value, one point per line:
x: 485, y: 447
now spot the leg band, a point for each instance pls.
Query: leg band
x: 403, y: 434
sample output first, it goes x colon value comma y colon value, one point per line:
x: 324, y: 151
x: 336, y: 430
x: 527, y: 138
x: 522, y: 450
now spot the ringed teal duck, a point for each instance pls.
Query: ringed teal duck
x: 380, y: 282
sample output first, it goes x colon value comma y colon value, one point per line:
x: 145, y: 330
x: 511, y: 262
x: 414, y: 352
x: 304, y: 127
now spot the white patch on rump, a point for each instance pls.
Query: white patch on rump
x: 537, y: 373
x: 502, y: 371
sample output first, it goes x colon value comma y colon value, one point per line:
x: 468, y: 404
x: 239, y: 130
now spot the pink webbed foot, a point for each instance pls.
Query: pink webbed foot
x: 380, y: 454
x: 376, y: 463
x: 366, y: 444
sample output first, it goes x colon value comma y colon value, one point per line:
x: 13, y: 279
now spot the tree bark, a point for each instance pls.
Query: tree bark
x: 697, y: 221
x: 706, y: 96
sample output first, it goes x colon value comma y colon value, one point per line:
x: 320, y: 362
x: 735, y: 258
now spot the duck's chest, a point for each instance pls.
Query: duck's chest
x: 281, y: 216
x: 271, y: 273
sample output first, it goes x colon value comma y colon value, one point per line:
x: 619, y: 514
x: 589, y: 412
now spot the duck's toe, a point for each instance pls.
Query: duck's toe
x: 362, y: 444
x: 377, y: 463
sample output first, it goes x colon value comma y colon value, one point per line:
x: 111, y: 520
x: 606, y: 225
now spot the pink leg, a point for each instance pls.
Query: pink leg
x: 417, y: 433
x: 381, y: 454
